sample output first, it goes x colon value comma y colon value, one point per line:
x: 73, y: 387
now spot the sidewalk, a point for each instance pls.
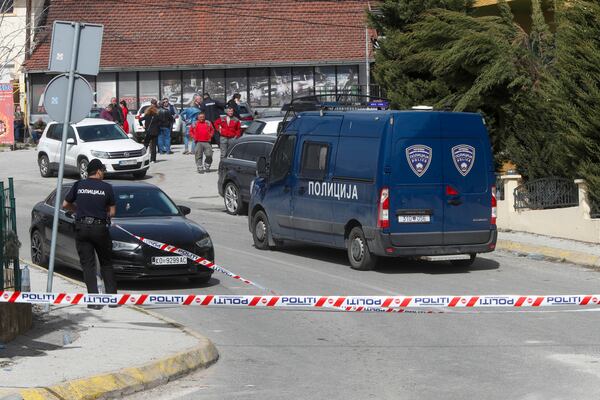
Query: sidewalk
x: 546, y: 247
x: 76, y: 353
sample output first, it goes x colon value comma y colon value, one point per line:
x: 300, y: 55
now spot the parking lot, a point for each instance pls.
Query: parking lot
x: 271, y: 354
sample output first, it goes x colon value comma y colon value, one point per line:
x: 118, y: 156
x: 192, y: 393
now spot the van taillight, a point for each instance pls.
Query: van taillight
x: 383, y: 215
x: 494, y: 206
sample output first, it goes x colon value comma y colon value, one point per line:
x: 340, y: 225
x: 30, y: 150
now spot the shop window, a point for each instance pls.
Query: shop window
x: 281, y: 86
x: 237, y: 82
x: 38, y: 85
x: 325, y: 80
x: 106, y: 88
x: 347, y: 79
x: 128, y: 90
x: 259, y: 87
x: 304, y: 82
x: 192, y: 84
x: 214, y: 83
x: 171, y: 87
x: 148, y: 86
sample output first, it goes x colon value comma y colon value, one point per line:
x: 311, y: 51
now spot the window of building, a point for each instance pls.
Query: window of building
x: 304, y: 82
x: 106, y: 88
x: 282, y: 156
x: 237, y: 82
x: 325, y: 80
x: 38, y: 85
x: 148, y: 86
x: 214, y: 83
x: 314, y: 159
x: 170, y: 87
x: 128, y: 90
x: 281, y: 86
x: 347, y: 79
x: 259, y: 87
x: 192, y: 84
x: 7, y: 6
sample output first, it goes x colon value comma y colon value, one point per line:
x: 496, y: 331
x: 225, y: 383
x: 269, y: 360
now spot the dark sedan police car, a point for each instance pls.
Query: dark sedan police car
x: 142, y: 209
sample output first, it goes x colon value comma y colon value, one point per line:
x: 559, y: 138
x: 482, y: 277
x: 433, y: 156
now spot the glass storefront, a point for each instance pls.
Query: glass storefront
x: 281, y: 86
x: 325, y: 80
x: 148, y: 83
x: 128, y: 90
x: 106, y: 88
x: 214, y: 83
x: 237, y: 82
x: 259, y: 87
x: 304, y: 81
x: 192, y: 84
x: 170, y: 87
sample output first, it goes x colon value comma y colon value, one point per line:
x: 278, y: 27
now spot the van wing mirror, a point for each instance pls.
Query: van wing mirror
x: 261, y: 167
x: 71, y: 141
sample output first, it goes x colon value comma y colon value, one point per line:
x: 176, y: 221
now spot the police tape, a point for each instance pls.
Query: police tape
x: 342, y: 303
x: 194, y: 257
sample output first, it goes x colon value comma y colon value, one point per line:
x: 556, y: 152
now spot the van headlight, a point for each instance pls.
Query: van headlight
x: 144, y: 150
x: 124, y: 246
x: 203, y: 243
x: 100, y: 154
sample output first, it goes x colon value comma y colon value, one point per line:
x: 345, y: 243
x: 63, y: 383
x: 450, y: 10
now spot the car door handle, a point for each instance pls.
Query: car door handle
x: 455, y: 201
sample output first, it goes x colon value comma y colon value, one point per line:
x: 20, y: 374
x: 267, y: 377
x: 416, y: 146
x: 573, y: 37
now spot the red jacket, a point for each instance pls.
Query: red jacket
x: 231, y: 130
x: 202, y: 132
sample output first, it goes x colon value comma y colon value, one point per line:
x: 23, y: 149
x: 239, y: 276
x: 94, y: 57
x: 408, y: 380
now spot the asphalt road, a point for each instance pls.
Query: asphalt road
x: 274, y: 354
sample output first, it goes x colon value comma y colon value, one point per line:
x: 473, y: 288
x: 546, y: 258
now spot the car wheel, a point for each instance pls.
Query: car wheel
x: 82, y: 168
x: 464, y: 263
x: 200, y: 279
x: 358, y: 251
x: 39, y: 255
x: 44, y: 164
x: 140, y: 174
x: 232, y: 199
x: 261, y: 231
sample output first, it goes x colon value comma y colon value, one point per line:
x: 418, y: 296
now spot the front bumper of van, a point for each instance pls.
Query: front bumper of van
x: 380, y: 244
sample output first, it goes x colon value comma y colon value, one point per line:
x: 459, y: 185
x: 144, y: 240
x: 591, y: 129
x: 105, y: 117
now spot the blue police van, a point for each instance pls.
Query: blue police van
x: 379, y: 184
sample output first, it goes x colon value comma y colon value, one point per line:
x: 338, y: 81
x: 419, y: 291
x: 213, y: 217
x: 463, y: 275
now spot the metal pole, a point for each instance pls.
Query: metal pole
x: 63, y: 150
x: 2, y: 228
x: 13, y: 217
x: 368, y: 72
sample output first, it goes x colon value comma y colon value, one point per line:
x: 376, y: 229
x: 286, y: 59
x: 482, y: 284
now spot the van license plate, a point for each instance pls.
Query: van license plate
x: 127, y: 162
x: 169, y: 260
x: 414, y: 219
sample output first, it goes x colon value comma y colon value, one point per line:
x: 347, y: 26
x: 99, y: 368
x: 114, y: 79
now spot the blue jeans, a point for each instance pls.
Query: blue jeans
x: 187, y: 140
x: 164, y: 140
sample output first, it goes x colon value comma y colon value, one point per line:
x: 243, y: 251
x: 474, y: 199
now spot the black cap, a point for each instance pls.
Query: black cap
x: 94, y: 166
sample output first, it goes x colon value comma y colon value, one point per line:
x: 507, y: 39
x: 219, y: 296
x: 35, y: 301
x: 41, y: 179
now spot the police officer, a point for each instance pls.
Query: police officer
x: 93, y: 202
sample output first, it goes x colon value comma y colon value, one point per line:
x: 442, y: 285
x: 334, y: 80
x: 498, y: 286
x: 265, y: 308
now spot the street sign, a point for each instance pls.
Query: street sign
x: 55, y: 98
x: 88, y: 53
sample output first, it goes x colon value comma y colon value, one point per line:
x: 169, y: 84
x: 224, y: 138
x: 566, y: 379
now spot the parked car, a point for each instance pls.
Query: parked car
x: 238, y: 169
x: 264, y: 126
x: 246, y: 116
x: 142, y: 209
x: 177, y: 131
x: 89, y: 139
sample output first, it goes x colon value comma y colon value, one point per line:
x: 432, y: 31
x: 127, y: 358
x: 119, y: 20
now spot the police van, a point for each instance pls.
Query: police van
x: 379, y: 184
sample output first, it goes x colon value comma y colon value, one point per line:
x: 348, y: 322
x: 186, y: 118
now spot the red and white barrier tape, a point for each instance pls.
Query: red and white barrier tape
x: 343, y: 303
x: 195, y: 258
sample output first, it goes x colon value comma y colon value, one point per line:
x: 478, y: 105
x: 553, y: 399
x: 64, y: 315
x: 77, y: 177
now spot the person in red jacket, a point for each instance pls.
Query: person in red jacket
x: 230, y: 129
x: 202, y: 132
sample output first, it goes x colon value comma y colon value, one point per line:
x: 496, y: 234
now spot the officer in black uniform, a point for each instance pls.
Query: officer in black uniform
x: 93, y: 202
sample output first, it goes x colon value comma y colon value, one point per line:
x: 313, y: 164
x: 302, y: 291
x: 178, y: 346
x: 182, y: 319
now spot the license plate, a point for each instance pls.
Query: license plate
x: 414, y: 219
x: 176, y: 260
x: 127, y: 162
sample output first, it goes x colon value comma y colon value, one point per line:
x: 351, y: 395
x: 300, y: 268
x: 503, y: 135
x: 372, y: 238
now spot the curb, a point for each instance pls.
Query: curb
x: 127, y: 380
x: 551, y: 253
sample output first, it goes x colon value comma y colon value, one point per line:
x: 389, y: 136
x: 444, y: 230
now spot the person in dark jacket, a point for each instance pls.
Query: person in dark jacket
x: 117, y: 114
x: 151, y: 128
x: 106, y: 113
x: 165, y: 123
x: 234, y: 104
x: 213, y: 110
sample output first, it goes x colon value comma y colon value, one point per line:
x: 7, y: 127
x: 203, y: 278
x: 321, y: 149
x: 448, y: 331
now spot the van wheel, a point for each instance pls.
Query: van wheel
x: 358, y: 251
x: 44, y: 164
x: 464, y: 263
x: 82, y: 168
x: 261, y: 231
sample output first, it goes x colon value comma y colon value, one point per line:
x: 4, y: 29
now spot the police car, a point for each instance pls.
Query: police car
x: 379, y: 184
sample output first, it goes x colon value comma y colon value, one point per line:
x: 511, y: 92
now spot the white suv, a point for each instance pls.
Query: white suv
x: 177, y: 131
x: 89, y: 139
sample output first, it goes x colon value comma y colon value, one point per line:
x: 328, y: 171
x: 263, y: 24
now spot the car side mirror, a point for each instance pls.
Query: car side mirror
x: 130, y: 136
x: 261, y: 167
x: 71, y: 141
x: 184, y: 210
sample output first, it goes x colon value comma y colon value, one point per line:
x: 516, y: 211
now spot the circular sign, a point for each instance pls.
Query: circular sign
x: 55, y: 98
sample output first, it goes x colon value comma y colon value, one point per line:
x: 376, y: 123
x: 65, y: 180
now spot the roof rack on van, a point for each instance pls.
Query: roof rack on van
x: 331, y: 102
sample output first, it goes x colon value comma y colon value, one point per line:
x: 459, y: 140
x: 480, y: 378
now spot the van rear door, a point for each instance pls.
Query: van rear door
x: 467, y: 167
x: 416, y: 210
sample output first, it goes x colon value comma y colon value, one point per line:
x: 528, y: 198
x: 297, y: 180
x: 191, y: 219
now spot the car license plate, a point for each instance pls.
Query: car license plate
x: 414, y: 219
x: 127, y: 162
x: 174, y: 260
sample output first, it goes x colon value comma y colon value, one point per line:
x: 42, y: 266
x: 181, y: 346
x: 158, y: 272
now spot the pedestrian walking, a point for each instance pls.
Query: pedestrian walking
x: 93, y: 202
x: 234, y: 103
x: 202, y: 131
x: 189, y: 116
x: 19, y: 124
x: 229, y: 128
x: 125, y: 112
x: 107, y: 114
x: 116, y: 112
x: 165, y: 124
x: 213, y: 110
x: 151, y: 130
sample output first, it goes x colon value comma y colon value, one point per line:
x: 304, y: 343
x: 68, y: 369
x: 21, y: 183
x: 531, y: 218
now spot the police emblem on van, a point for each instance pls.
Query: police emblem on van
x: 463, y: 156
x: 419, y: 158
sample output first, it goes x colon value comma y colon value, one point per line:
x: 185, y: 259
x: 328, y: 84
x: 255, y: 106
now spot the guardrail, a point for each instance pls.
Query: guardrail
x: 10, y: 276
x: 546, y: 193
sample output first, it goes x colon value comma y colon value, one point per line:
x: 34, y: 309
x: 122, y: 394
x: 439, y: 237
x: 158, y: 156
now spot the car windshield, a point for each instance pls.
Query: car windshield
x: 143, y: 202
x: 255, y: 128
x: 96, y: 133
